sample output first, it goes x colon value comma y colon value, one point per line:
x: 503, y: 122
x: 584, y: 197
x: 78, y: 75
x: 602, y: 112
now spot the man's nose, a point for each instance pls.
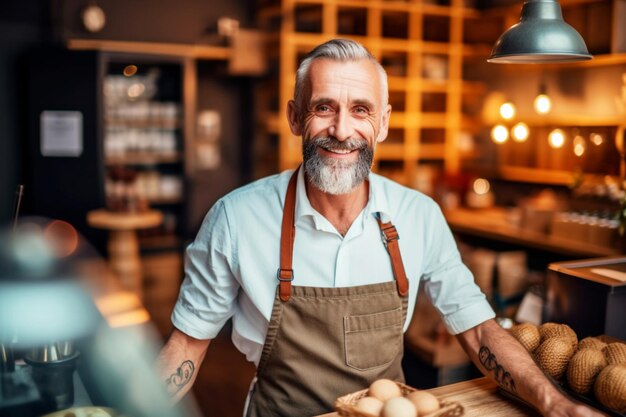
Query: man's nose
x: 341, y: 127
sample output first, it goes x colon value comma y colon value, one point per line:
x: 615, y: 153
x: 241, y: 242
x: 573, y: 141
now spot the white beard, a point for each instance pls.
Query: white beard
x: 336, y: 176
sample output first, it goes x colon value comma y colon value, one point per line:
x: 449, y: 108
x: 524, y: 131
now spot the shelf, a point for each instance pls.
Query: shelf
x: 390, y: 151
x: 145, y: 158
x: 502, y: 11
x: 143, y: 124
x: 605, y: 60
x: 546, y: 176
x: 580, y: 120
x: 399, y: 6
x: 164, y: 201
x: 203, y: 52
x: 430, y: 85
x: 536, y: 175
x: 492, y: 224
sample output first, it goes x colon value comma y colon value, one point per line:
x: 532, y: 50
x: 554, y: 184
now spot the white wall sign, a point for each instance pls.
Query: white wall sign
x: 61, y: 133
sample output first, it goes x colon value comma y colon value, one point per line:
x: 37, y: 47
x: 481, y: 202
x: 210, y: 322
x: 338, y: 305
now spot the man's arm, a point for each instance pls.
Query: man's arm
x: 179, y: 361
x: 502, y: 358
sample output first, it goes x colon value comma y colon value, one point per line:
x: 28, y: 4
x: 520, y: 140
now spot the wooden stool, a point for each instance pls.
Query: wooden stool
x: 123, y: 245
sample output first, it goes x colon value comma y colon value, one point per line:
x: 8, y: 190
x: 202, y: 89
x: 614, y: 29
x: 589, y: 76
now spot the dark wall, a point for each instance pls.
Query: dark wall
x: 181, y: 21
x: 231, y: 97
x: 23, y: 24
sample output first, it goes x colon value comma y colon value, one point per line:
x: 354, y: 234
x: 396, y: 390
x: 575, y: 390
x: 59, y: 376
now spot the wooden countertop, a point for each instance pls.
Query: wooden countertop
x: 480, y: 397
x: 492, y: 223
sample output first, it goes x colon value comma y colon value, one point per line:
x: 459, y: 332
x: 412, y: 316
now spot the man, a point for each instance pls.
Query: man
x: 309, y: 266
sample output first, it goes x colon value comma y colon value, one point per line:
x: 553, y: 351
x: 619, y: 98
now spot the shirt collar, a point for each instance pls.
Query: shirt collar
x: 377, y: 202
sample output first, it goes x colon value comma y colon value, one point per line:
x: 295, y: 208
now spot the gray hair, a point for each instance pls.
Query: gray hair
x: 342, y: 50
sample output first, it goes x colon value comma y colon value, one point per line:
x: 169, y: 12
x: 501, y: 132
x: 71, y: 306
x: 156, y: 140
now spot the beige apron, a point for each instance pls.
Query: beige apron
x: 326, y: 342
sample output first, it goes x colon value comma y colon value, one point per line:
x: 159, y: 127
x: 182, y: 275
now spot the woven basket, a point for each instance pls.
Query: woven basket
x: 346, y: 405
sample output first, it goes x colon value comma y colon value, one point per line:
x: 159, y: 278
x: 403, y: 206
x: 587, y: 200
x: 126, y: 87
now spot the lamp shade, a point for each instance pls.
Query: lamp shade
x: 541, y: 36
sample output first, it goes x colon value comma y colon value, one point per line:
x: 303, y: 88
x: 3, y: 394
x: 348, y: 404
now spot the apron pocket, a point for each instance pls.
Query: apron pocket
x: 372, y: 340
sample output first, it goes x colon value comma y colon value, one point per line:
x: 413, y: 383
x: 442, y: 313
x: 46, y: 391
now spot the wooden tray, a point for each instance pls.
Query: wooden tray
x: 346, y: 405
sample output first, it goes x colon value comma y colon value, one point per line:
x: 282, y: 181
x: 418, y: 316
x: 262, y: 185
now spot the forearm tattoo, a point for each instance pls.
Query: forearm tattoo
x: 180, y: 378
x: 502, y: 377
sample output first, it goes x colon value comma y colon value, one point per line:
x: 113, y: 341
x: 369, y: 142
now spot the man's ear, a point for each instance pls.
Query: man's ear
x: 384, y: 124
x: 293, y: 118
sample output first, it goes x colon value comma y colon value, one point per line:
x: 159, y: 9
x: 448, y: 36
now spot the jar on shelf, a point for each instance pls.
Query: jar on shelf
x: 121, y: 191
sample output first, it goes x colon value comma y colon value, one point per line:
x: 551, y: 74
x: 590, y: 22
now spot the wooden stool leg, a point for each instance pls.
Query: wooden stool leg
x: 124, y: 258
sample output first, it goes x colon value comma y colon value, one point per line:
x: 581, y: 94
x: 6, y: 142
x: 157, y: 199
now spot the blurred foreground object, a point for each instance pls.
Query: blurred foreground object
x: 49, y: 278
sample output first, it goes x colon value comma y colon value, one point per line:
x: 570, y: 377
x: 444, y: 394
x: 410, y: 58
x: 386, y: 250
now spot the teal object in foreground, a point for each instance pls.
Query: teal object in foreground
x: 541, y: 36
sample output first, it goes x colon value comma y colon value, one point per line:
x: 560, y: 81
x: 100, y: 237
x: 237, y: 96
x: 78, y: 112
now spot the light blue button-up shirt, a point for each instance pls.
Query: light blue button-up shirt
x: 230, y: 268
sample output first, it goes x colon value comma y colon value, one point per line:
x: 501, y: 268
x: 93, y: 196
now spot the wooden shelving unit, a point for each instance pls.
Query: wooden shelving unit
x: 422, y: 47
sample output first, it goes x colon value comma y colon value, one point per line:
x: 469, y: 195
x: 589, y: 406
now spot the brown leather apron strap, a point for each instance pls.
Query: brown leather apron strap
x: 288, y: 235
x: 390, y: 239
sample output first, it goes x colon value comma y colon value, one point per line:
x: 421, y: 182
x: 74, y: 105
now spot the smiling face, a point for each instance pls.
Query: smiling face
x: 343, y: 118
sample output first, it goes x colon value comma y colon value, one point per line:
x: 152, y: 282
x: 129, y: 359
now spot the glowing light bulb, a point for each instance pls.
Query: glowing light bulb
x: 507, y: 111
x: 499, y: 134
x: 556, y: 139
x: 481, y: 186
x: 579, y: 146
x: 520, y: 132
x: 129, y: 70
x: 597, y: 139
x: 542, y: 103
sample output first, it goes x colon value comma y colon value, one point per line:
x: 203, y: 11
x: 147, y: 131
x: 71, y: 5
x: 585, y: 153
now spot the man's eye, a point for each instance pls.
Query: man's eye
x: 361, y: 110
x: 323, y: 108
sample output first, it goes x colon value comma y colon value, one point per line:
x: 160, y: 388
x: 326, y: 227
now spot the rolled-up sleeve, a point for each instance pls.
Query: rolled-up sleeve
x: 448, y: 283
x: 209, y: 290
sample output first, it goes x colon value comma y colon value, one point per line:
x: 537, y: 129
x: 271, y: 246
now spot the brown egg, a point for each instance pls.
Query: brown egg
x: 424, y: 402
x: 384, y: 389
x: 399, y: 407
x: 370, y: 405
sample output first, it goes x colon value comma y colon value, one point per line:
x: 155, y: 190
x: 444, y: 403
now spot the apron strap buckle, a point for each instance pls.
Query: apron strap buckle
x: 285, y: 276
x: 389, y: 234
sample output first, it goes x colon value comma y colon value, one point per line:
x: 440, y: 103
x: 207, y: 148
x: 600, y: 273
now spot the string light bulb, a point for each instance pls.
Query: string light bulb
x: 499, y: 134
x: 507, y: 111
x: 481, y: 186
x: 579, y: 146
x: 520, y: 132
x: 543, y: 102
x: 597, y: 139
x: 556, y: 139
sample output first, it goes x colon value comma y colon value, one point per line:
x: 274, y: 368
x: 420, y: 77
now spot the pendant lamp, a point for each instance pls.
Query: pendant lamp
x: 541, y: 36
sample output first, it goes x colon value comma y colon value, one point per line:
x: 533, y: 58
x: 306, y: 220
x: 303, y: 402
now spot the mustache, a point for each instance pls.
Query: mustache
x: 332, y: 144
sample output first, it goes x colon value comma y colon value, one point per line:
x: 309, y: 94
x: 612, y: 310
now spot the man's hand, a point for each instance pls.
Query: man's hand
x: 563, y: 407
